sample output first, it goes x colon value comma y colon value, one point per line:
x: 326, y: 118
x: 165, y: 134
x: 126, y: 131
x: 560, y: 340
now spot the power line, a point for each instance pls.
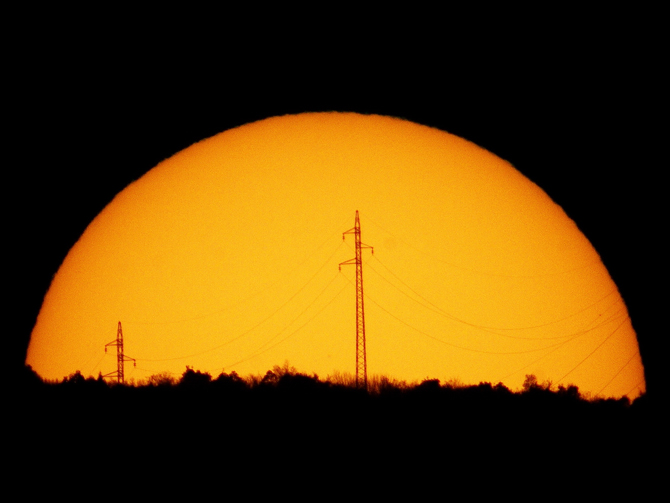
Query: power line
x: 254, y: 355
x: 569, y: 337
x: 255, y: 293
x: 620, y: 370
x: 361, y: 356
x: 254, y: 327
x: 559, y: 346
x: 637, y: 386
x: 436, y: 309
x: 596, y: 348
x: 456, y: 345
x: 478, y: 272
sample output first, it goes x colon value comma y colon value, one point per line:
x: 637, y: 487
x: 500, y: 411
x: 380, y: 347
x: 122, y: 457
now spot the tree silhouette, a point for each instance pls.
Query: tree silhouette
x: 74, y: 379
x: 194, y: 378
x: 530, y: 382
x: 160, y: 379
x: 230, y: 383
x: 571, y: 392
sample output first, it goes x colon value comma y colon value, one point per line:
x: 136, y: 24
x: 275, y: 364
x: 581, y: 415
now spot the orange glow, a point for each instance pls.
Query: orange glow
x: 225, y: 257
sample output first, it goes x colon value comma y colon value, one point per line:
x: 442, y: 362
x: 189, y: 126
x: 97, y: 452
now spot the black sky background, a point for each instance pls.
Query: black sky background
x: 572, y: 106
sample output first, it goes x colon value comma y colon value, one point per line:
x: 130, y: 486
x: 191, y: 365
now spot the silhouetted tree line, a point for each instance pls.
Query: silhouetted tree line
x: 285, y: 416
x: 286, y: 381
x: 286, y: 393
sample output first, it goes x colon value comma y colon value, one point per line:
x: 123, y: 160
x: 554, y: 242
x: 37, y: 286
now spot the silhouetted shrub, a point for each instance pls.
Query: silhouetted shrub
x: 382, y: 385
x: 299, y: 383
x: 194, y: 378
x: 230, y: 382
x: 571, y: 392
x: 270, y: 378
x: 161, y: 379
x: 429, y: 385
x: 74, y: 379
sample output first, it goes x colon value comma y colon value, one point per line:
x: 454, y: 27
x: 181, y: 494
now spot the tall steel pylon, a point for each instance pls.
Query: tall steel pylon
x: 120, y: 357
x: 361, y: 357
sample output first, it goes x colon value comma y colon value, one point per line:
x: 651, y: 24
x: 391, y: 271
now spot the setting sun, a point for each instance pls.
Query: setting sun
x: 225, y: 257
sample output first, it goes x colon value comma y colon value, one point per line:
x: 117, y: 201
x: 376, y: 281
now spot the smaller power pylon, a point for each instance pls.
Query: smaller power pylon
x: 120, y: 357
x: 361, y: 356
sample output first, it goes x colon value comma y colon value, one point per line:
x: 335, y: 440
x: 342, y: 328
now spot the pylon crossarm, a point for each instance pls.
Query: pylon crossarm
x: 351, y: 261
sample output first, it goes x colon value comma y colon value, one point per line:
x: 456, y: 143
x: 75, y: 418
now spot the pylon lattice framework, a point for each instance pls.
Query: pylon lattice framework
x: 120, y: 357
x: 361, y: 356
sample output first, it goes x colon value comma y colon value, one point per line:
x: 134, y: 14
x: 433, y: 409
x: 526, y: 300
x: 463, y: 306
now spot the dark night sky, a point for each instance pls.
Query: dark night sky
x: 572, y: 112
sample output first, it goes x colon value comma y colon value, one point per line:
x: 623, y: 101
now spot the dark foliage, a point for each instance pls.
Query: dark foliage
x: 194, y: 378
x: 536, y: 432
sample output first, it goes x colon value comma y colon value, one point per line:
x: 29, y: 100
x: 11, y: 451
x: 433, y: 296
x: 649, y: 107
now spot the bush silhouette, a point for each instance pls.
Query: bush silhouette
x: 194, y: 378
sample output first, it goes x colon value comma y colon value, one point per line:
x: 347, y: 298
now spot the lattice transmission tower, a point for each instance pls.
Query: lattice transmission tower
x: 120, y: 357
x: 361, y: 357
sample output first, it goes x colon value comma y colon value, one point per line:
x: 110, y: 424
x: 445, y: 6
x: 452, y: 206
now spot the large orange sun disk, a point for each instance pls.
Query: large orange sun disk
x: 225, y: 257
